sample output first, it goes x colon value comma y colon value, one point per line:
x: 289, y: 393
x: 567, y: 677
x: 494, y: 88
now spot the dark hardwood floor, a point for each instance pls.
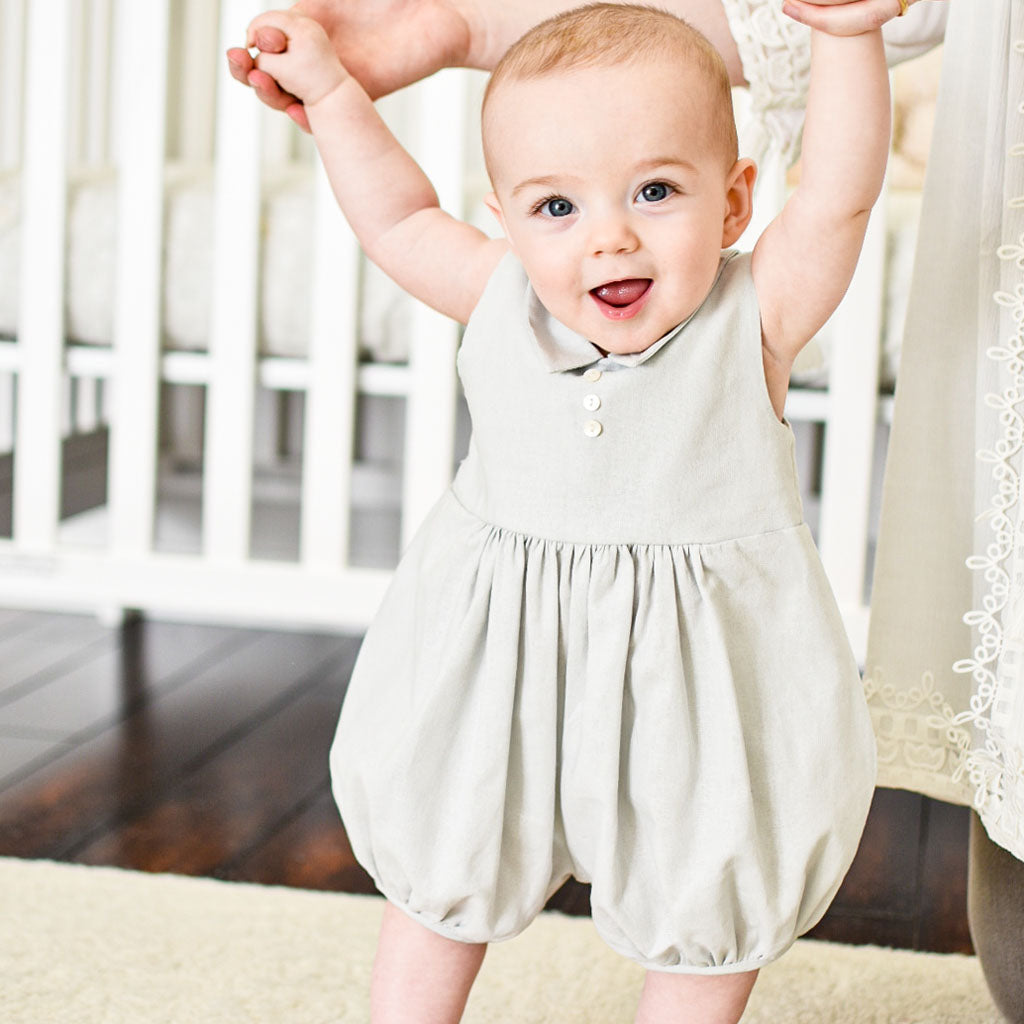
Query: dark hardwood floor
x: 202, y: 750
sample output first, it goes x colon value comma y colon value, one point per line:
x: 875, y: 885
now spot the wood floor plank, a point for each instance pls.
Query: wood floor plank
x: 865, y: 929
x: 309, y: 850
x: 112, y: 673
x: 943, y: 921
x: 51, y: 646
x: 222, y: 807
x: 110, y: 776
x: 77, y: 700
x: 150, y: 658
x: 14, y: 619
x: 885, y: 873
x: 18, y: 753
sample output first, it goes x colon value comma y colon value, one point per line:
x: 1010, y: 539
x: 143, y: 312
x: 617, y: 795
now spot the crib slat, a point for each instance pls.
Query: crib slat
x: 12, y: 27
x: 10, y: 357
x: 330, y: 397
x: 96, y: 115
x: 41, y: 298
x: 142, y: 121
x: 6, y: 412
x: 86, y: 408
x: 227, y: 466
x: 90, y: 74
x: 430, y: 414
x: 197, y: 23
x: 77, y: 56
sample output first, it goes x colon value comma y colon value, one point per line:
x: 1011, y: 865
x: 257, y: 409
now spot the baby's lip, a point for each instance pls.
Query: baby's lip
x: 622, y: 300
x: 621, y: 293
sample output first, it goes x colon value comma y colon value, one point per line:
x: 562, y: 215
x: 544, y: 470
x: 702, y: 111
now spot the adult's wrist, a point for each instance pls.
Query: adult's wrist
x: 484, y: 42
x: 494, y: 25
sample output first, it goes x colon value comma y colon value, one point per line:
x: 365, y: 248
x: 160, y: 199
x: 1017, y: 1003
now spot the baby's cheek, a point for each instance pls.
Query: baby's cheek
x: 556, y: 297
x: 549, y: 276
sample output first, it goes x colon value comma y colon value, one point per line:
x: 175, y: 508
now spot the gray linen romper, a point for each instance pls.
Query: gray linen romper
x: 611, y: 652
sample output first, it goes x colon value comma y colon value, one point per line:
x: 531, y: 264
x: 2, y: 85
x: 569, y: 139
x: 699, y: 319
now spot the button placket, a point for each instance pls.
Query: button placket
x: 592, y: 402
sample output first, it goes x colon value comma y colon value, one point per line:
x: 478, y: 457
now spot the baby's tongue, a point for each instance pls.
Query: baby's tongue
x: 622, y: 293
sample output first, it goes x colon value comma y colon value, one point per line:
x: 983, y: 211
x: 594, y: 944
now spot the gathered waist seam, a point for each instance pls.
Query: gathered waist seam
x: 527, y: 537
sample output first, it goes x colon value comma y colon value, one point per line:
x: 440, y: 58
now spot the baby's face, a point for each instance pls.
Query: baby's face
x: 614, y: 194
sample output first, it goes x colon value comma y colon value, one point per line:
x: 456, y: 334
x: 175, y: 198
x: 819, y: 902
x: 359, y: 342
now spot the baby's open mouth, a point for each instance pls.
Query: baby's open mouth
x: 620, y: 300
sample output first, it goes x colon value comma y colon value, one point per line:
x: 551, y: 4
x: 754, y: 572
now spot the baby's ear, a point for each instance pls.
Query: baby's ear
x: 739, y: 200
x: 492, y: 204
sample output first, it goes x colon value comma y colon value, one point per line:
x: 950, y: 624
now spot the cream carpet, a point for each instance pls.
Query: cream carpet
x: 101, y: 946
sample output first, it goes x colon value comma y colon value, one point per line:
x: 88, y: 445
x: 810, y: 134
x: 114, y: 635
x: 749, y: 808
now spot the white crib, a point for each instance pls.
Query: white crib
x: 227, y: 480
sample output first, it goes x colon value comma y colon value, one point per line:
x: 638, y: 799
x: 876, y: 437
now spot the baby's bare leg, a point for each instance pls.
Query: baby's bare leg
x: 694, y: 998
x: 420, y: 977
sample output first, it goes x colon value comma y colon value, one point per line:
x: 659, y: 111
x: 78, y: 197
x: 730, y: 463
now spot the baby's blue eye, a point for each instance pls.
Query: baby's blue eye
x: 557, y: 207
x: 655, y: 192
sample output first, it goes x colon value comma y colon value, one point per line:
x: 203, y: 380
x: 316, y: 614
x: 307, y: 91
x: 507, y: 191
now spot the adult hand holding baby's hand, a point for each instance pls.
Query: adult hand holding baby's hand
x: 242, y: 66
x: 296, y: 55
x: 845, y: 17
x: 384, y: 44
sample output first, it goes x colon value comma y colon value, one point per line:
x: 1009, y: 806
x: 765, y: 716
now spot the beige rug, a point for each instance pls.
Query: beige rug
x: 100, y: 946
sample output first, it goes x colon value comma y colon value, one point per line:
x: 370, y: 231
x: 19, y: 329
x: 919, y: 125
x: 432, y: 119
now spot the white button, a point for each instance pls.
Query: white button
x: 592, y: 375
x: 592, y: 428
x: 592, y: 403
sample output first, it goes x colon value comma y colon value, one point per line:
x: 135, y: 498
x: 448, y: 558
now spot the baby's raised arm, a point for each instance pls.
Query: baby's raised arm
x: 385, y: 196
x: 803, y: 263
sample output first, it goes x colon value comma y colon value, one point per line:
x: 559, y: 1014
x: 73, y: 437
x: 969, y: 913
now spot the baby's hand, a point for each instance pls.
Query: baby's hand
x: 306, y: 66
x: 845, y: 17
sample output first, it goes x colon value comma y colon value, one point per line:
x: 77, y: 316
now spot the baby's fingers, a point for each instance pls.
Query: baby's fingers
x: 243, y: 69
x: 268, y: 38
x: 270, y: 30
x: 844, y: 17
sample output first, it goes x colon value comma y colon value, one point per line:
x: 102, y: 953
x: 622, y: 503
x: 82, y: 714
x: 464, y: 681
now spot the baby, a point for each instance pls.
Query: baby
x: 611, y: 651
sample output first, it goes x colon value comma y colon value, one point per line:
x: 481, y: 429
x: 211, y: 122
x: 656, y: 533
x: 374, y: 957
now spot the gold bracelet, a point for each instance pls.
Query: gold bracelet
x: 903, y: 7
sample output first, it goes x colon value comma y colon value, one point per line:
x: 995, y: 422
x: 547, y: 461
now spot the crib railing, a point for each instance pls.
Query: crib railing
x: 125, y: 570
x: 135, y: 97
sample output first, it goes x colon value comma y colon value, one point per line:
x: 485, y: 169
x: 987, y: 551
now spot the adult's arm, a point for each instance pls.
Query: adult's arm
x: 773, y: 40
x: 387, y: 44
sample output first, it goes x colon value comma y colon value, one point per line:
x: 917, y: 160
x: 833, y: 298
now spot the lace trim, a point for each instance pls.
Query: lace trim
x: 775, y: 52
x: 995, y: 765
x: 943, y: 747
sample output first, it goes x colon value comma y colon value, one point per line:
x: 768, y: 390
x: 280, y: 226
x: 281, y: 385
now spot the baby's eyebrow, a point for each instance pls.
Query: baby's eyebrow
x: 568, y: 181
x: 545, y: 181
x: 665, y: 161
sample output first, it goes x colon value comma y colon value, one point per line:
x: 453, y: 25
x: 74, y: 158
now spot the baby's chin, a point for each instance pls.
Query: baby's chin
x: 627, y: 338
x: 613, y: 336
x: 621, y: 348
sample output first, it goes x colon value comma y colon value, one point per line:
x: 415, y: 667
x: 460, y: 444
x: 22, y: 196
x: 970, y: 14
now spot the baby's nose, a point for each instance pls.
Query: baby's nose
x: 613, y: 235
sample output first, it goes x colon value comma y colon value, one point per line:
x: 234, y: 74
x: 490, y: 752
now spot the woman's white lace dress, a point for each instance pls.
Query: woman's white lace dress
x: 945, y: 666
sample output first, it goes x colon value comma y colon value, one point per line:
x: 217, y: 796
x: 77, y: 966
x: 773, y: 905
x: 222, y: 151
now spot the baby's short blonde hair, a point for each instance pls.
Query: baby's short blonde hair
x: 608, y: 34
